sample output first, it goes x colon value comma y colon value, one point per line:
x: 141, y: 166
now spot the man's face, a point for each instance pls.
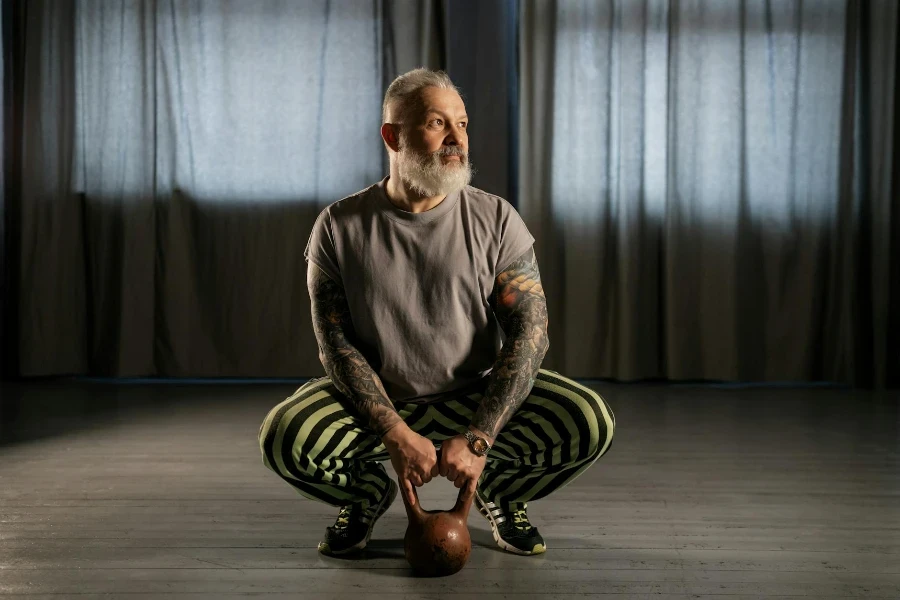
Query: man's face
x: 439, y: 121
x: 434, y: 144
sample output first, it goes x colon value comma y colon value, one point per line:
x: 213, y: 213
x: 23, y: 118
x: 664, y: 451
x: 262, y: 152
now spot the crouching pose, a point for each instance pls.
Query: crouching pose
x: 431, y: 324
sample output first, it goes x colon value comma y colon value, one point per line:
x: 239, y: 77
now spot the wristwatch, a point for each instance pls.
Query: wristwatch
x: 479, y: 445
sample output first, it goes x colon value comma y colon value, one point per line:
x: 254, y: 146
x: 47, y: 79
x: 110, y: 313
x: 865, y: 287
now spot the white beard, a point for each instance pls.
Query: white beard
x: 426, y: 174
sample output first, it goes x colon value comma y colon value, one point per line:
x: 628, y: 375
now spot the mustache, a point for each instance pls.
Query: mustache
x: 451, y: 151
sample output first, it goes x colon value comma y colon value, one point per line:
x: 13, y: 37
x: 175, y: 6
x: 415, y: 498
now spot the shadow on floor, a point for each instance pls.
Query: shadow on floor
x: 38, y: 409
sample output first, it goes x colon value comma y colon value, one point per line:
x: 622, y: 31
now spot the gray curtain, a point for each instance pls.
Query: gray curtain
x: 710, y: 183
x: 711, y: 187
x: 4, y: 157
x: 175, y: 155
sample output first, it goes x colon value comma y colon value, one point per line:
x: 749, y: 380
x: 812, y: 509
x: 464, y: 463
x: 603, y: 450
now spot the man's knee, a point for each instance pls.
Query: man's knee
x: 601, y: 424
x: 263, y: 429
x: 594, y: 420
x: 281, y: 427
x: 274, y: 435
x: 266, y: 438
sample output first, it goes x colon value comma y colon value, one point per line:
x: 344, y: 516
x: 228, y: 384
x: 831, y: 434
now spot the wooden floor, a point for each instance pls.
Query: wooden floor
x: 145, y: 491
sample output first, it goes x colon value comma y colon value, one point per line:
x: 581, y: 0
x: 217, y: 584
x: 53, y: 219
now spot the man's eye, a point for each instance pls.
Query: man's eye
x: 464, y: 125
x: 437, y: 122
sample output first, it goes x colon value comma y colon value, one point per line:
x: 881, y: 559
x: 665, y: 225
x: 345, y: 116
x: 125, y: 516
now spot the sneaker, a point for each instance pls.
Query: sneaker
x: 353, y: 528
x: 512, y: 530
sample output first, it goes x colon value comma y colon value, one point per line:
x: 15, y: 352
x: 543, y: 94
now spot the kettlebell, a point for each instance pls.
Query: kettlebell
x: 437, y: 542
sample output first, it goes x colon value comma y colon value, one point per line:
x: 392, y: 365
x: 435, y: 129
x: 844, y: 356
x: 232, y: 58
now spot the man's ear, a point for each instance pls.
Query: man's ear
x: 390, y: 135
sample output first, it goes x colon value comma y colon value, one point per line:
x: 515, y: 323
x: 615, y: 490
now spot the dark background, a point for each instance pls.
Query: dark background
x: 158, y: 191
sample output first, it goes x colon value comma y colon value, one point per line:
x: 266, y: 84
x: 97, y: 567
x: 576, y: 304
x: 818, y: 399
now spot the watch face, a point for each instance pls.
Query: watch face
x: 480, y: 446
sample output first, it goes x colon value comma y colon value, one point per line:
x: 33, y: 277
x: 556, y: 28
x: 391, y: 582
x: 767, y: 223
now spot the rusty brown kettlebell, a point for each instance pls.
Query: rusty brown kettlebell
x: 437, y: 542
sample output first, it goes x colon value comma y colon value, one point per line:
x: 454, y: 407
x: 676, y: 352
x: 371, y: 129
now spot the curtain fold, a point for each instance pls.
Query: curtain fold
x: 876, y: 78
x: 708, y: 186
x: 11, y: 19
x: 51, y: 303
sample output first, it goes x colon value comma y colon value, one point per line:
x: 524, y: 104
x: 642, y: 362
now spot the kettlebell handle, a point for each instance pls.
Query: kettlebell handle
x: 463, y: 503
x: 460, y: 509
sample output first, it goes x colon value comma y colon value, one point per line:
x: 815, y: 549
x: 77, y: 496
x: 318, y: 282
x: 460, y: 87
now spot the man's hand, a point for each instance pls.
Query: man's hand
x: 459, y: 464
x: 413, y: 456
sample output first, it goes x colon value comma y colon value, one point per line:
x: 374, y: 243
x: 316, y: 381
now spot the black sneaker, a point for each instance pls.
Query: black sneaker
x: 512, y: 530
x: 353, y: 528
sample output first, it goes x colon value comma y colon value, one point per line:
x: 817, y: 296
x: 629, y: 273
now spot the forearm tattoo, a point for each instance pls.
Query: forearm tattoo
x: 521, y: 308
x: 349, y: 371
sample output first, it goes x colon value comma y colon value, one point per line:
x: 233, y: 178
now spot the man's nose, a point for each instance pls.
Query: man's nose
x: 454, y: 137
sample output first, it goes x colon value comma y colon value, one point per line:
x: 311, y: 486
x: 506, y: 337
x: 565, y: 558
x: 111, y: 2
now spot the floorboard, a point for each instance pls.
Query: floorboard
x: 157, y: 491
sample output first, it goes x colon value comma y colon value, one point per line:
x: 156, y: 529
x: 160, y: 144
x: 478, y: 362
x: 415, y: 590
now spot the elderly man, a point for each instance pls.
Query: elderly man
x: 431, y: 324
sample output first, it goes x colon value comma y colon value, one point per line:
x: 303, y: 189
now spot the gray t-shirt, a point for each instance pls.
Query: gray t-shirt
x: 418, y: 284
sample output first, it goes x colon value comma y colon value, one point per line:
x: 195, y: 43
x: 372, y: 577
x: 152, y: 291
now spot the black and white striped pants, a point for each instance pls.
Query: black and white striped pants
x: 315, y: 442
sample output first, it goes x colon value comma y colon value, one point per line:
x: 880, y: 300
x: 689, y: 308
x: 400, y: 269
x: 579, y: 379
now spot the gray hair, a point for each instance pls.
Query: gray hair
x: 403, y: 93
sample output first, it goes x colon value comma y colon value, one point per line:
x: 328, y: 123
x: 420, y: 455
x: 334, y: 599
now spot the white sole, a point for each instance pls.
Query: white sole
x: 486, y: 513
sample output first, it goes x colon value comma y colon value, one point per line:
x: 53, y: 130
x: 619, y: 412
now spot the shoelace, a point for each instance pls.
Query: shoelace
x: 343, y: 520
x: 346, y: 513
x: 520, y: 519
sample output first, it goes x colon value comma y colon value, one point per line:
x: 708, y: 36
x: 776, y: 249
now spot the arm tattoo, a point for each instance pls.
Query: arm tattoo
x: 349, y: 371
x: 521, y: 308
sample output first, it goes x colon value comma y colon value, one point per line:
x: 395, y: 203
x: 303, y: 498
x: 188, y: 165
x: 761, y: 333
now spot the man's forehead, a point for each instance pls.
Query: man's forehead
x: 442, y: 101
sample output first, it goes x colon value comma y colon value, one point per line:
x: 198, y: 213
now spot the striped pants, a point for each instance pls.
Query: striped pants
x: 315, y: 442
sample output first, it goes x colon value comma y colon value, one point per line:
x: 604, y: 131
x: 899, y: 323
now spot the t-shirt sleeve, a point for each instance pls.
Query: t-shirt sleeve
x: 515, y: 238
x: 320, y: 249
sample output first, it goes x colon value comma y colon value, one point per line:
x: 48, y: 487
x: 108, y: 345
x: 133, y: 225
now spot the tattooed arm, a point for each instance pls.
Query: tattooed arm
x: 412, y: 455
x: 521, y: 308
x: 351, y: 373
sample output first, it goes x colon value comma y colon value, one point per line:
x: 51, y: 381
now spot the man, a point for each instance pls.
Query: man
x: 431, y: 324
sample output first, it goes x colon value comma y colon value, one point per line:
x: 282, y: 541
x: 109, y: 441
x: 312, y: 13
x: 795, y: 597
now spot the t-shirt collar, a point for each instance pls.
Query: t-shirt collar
x: 388, y: 209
